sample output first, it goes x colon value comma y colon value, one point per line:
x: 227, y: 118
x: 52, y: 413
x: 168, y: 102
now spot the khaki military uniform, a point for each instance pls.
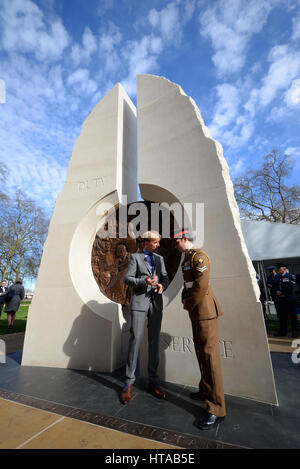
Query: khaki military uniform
x: 204, y: 311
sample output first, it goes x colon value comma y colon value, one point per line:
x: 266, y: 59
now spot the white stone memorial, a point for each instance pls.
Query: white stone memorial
x: 172, y: 137
x: 71, y: 323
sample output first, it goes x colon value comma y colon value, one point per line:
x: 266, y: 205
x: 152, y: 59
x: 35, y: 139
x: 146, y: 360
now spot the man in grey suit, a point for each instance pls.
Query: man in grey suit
x: 147, y: 275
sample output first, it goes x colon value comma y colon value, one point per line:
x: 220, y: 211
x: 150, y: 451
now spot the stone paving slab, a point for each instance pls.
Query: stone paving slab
x: 19, y: 423
x: 93, y: 397
x: 281, y: 344
x: 147, y: 436
x: 13, y: 341
x: 24, y: 427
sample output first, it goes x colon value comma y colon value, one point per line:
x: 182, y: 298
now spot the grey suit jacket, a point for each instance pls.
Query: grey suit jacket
x: 137, y: 272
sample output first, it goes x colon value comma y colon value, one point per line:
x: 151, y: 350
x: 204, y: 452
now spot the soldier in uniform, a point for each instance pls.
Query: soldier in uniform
x: 287, y: 301
x: 199, y: 300
x: 272, y: 281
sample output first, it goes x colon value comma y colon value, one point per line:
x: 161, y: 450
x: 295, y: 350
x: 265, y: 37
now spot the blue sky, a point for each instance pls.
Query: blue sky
x: 238, y: 59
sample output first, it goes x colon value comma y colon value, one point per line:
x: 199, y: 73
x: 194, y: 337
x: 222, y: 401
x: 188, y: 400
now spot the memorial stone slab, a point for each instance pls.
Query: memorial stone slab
x: 79, y: 316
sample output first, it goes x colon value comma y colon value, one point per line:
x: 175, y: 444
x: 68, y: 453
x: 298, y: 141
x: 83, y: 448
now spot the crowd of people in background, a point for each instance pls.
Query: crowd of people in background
x: 282, y: 285
x: 10, y: 298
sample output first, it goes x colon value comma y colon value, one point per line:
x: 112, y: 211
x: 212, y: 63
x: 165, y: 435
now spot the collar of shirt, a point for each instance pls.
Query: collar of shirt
x: 148, y: 255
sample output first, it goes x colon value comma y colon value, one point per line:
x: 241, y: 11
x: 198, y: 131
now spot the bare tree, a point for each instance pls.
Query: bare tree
x: 22, y: 233
x: 264, y: 193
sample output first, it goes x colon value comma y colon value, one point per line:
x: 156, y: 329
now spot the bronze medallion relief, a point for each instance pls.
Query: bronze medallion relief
x: 110, y: 256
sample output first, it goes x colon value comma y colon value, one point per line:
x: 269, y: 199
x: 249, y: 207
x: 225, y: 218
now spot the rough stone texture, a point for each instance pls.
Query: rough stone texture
x: 70, y: 322
x: 179, y: 161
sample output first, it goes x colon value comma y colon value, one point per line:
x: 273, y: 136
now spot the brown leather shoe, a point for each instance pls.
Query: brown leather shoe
x: 156, y: 391
x: 126, y: 393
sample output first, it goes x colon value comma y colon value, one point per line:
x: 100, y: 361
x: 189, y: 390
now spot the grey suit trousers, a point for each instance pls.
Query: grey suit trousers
x: 138, y: 319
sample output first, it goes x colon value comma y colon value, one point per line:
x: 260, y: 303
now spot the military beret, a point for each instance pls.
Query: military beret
x: 181, y: 233
x: 280, y: 264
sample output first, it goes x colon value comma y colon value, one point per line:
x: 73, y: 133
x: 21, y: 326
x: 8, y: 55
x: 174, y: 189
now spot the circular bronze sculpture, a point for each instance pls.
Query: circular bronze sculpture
x: 110, y: 256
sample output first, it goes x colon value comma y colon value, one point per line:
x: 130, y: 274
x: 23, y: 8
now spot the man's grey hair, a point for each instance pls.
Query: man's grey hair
x: 148, y: 235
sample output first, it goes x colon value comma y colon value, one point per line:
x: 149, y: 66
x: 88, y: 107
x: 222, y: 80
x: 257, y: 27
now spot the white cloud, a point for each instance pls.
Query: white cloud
x: 251, y: 105
x: 2, y: 92
x: 53, y: 82
x: 167, y: 25
x: 104, y: 6
x: 189, y: 9
x: 230, y: 24
x: 57, y: 82
x: 109, y: 44
x: 285, y: 65
x: 237, y: 167
x: 231, y: 124
x: 240, y: 133
x: 142, y: 58
x: 226, y: 107
x: 84, y: 52
x: 167, y: 20
x: 25, y: 29
x: 296, y: 27
x: 31, y: 166
x: 292, y: 96
x: 81, y: 81
x: 294, y: 152
x: 283, y: 70
x: 82, y: 74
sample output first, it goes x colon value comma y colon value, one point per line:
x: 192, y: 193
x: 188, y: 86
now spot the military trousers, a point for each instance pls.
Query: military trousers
x: 286, y: 309
x: 138, y: 319
x: 206, y: 340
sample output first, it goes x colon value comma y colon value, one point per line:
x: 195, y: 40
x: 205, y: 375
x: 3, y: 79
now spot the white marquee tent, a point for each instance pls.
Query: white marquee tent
x: 269, y: 243
x: 267, y: 240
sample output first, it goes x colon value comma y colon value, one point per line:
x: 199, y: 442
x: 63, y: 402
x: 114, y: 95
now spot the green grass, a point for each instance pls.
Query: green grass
x: 273, y: 325
x: 20, y: 321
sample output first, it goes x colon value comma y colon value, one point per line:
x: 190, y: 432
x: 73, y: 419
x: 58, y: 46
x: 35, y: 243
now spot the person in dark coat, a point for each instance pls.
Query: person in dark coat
x: 272, y: 283
x: 287, y: 301
x: 3, y: 290
x: 16, y: 294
